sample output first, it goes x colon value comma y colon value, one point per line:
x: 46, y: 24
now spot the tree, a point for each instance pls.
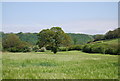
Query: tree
x: 75, y: 41
x: 54, y: 38
x: 10, y: 40
x: 113, y: 34
x: 98, y: 37
x: 12, y: 43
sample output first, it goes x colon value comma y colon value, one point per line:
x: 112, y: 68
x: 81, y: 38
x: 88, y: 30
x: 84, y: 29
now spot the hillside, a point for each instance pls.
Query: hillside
x: 112, y: 41
x: 32, y: 38
x: 80, y: 38
x: 104, y: 46
x: 28, y: 37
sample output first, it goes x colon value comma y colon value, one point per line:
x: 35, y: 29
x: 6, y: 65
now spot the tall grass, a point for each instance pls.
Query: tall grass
x: 63, y: 65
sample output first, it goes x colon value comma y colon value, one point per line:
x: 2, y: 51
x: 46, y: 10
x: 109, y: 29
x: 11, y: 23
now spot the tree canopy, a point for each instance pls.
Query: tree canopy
x: 113, y: 34
x: 54, y: 38
x: 12, y: 43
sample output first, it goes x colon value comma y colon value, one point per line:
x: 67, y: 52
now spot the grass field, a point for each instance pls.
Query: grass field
x: 63, y: 65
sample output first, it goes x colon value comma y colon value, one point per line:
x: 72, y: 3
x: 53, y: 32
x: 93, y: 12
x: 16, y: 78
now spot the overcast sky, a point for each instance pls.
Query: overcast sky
x: 72, y: 17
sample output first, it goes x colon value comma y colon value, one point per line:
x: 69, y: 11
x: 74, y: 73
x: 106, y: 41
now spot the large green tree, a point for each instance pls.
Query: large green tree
x: 54, y: 38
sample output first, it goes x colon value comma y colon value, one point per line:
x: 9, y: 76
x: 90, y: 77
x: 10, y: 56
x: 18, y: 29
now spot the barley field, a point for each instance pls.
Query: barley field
x: 63, y: 65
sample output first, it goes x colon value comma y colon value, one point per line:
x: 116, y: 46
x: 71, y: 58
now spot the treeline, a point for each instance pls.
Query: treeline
x: 26, y: 42
x: 80, y: 38
x: 109, y: 35
x: 32, y: 38
x: 104, y: 44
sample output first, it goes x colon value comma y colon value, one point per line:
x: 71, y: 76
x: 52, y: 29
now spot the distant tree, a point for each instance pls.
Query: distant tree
x: 75, y: 41
x: 10, y: 40
x: 23, y: 47
x: 80, y: 39
x: 54, y: 38
x: 12, y: 43
x: 28, y: 37
x: 113, y: 34
x: 98, y: 37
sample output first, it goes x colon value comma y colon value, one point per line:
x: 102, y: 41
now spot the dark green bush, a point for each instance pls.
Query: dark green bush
x: 100, y: 48
x: 13, y: 49
x: 87, y: 49
x: 74, y: 47
x: 26, y: 49
x: 111, y: 50
x: 16, y: 49
x: 63, y: 49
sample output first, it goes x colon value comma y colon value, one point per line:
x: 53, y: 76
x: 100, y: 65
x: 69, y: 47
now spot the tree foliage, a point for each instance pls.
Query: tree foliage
x: 32, y: 38
x: 98, y: 37
x: 80, y: 38
x: 113, y: 34
x: 54, y: 38
x: 28, y: 37
x: 11, y: 40
x: 12, y: 43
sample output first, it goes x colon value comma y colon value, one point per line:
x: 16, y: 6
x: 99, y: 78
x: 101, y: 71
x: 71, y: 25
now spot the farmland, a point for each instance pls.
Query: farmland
x: 57, y: 40
x: 63, y: 65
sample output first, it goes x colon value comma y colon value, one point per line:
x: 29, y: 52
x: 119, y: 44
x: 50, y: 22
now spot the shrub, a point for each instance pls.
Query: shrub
x: 23, y: 47
x: 17, y: 49
x: 74, y: 47
x: 63, y: 49
x: 86, y: 48
x: 111, y: 50
x: 35, y: 48
x: 13, y: 49
x: 26, y: 49
x: 100, y: 48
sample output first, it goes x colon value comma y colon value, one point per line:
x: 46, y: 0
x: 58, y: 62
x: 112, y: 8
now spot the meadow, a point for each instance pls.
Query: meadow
x: 63, y: 65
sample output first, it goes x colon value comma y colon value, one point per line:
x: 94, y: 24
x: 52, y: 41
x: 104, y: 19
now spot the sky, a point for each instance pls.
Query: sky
x: 72, y: 17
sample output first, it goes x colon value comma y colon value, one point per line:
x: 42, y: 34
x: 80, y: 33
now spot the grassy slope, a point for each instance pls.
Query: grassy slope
x: 110, y: 46
x: 68, y: 65
x: 112, y: 41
